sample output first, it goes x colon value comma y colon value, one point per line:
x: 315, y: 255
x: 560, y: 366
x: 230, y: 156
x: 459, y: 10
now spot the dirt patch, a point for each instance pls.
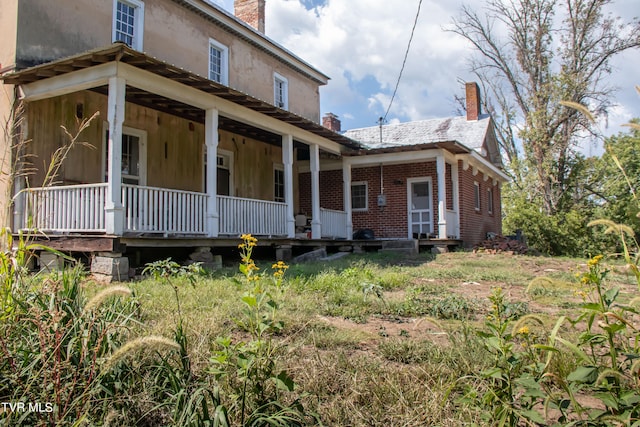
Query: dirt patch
x: 380, y: 327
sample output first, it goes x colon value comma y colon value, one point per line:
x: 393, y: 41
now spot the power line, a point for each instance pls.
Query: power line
x: 415, y: 22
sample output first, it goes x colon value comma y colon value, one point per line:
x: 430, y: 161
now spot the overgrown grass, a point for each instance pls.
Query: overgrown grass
x: 345, y: 369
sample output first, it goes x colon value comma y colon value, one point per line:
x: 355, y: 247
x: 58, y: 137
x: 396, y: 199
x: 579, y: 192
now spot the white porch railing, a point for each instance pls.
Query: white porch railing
x: 334, y: 223
x: 160, y: 210
x: 251, y: 216
x: 452, y: 224
x: 71, y: 208
x: 80, y: 208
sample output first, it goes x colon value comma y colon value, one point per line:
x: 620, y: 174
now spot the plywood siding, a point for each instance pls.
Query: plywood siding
x: 175, y: 147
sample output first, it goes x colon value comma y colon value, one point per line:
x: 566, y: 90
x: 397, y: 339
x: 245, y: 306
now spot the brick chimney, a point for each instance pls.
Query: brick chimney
x: 473, y: 101
x: 331, y: 122
x: 251, y: 12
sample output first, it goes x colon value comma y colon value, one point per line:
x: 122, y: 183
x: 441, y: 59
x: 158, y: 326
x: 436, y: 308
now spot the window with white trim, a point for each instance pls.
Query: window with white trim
x: 490, y: 200
x: 128, y: 22
x: 218, y: 62
x: 278, y: 183
x: 281, y: 91
x: 359, y: 196
x: 476, y: 194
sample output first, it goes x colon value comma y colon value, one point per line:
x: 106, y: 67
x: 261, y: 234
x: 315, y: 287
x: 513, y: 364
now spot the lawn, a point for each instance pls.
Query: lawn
x: 372, y: 339
x: 368, y: 340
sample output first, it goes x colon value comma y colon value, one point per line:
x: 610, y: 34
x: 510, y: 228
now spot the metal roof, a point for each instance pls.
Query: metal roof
x: 452, y: 133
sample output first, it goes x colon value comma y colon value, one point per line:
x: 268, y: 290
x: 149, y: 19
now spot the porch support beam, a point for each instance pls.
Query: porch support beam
x: 455, y: 189
x: 287, y: 161
x: 314, y: 159
x: 114, y: 212
x: 442, y: 197
x: 346, y: 181
x: 211, y: 141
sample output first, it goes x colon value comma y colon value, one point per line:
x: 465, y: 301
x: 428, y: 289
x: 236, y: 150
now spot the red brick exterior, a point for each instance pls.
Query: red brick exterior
x: 474, y: 225
x: 391, y: 220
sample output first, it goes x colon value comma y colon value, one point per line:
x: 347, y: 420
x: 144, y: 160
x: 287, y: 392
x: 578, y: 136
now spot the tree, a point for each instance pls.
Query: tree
x: 530, y: 59
x: 615, y: 179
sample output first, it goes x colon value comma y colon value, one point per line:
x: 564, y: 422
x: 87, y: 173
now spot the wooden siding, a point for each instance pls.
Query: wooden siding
x: 175, y: 147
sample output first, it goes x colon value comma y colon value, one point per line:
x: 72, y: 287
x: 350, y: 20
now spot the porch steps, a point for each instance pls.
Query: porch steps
x: 405, y: 247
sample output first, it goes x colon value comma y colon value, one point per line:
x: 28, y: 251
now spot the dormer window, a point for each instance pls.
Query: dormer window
x: 128, y: 22
x: 281, y: 88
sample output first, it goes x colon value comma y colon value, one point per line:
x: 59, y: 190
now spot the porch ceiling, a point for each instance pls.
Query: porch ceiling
x: 122, y: 53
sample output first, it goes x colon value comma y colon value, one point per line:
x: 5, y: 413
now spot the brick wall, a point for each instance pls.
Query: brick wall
x: 474, y: 225
x: 391, y: 220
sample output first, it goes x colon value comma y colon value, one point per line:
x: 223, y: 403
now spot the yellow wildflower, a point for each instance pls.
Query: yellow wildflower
x: 594, y: 261
x: 524, y: 330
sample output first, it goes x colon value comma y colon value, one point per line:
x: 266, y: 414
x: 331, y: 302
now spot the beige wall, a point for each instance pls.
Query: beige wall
x: 53, y: 29
x: 8, y: 24
x: 178, y: 166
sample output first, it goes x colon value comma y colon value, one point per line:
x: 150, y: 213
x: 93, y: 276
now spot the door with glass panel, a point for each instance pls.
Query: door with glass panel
x: 420, y: 212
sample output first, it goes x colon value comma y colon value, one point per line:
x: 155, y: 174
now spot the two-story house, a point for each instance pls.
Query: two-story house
x: 177, y: 84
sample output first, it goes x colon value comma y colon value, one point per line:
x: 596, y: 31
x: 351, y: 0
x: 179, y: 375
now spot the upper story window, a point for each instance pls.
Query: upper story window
x: 128, y: 22
x: 281, y: 89
x: 218, y: 62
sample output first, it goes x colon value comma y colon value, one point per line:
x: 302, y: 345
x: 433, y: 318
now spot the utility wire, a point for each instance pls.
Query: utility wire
x: 415, y: 22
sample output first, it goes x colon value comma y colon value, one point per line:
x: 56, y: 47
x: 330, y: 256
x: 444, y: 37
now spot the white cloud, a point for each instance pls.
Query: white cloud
x: 360, y: 44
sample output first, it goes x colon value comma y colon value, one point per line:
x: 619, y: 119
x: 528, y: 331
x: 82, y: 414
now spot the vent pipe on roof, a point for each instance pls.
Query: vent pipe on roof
x: 473, y: 101
x: 251, y: 12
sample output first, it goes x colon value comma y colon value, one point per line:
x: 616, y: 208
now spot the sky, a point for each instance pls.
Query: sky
x: 360, y: 45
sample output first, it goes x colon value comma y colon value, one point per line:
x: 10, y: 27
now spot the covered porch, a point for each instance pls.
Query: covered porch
x: 120, y: 203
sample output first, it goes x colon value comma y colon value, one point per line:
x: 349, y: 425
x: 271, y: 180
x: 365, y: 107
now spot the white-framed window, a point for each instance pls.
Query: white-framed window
x: 359, y: 196
x: 224, y: 171
x: 218, y: 62
x: 128, y: 22
x: 476, y: 195
x: 134, y: 155
x: 281, y: 91
x: 490, y: 200
x: 278, y: 183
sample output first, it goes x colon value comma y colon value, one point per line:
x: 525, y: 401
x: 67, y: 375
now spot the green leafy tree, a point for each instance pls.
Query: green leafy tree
x: 616, y: 177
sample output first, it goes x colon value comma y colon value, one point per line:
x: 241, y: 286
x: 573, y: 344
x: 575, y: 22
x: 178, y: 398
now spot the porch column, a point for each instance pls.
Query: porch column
x: 114, y: 212
x: 455, y: 189
x: 287, y: 161
x: 346, y: 181
x: 211, y: 142
x: 316, y: 223
x: 442, y: 197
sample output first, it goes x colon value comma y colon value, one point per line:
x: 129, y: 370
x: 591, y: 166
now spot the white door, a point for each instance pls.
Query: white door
x: 420, y: 207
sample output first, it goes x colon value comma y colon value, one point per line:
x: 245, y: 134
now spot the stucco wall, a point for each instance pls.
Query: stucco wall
x: 8, y: 24
x: 53, y: 29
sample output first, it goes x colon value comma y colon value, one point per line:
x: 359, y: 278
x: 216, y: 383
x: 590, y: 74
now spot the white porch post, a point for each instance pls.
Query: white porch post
x: 211, y: 141
x: 287, y: 161
x: 346, y: 180
x: 114, y: 212
x: 442, y: 197
x: 316, y: 224
x: 455, y: 189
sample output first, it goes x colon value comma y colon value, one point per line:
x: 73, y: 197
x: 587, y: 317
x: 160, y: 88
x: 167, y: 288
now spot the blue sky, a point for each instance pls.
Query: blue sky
x: 360, y: 44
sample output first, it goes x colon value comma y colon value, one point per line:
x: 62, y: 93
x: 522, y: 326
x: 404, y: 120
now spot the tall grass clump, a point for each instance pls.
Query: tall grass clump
x: 255, y: 388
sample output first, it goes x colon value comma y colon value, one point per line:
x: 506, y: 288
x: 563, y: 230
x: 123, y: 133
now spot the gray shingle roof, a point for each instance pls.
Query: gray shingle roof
x: 471, y: 134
